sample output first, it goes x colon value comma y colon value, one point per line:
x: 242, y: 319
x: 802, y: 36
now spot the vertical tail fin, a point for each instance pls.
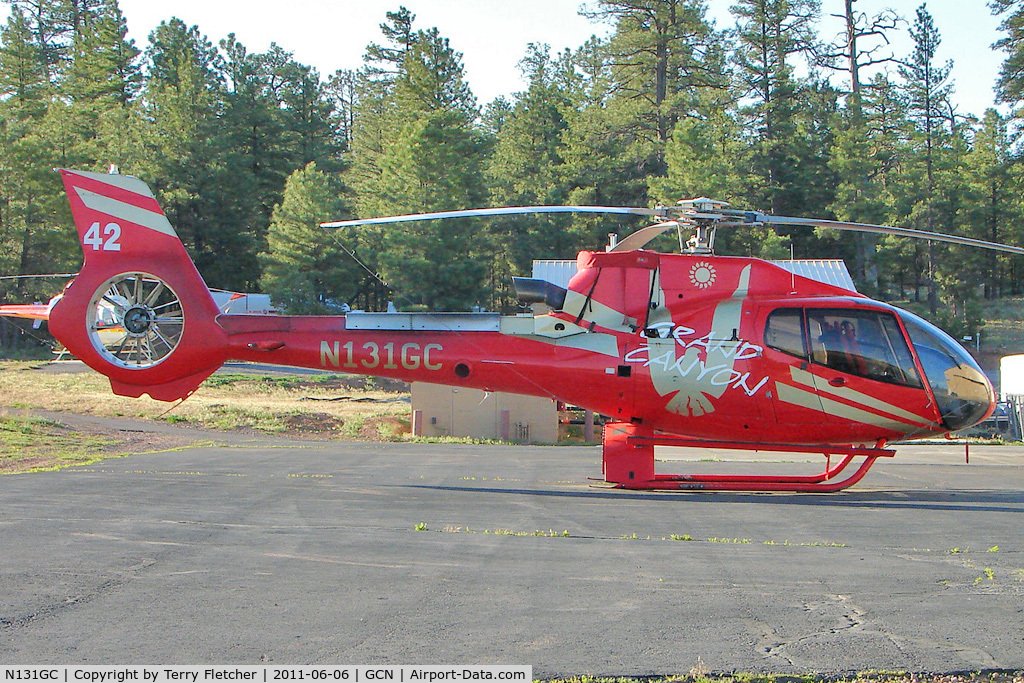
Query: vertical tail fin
x: 138, y: 311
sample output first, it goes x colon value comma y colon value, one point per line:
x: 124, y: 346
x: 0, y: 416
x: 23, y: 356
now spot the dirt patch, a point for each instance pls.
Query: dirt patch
x: 25, y: 464
x: 385, y: 427
x: 127, y: 441
x: 301, y: 424
x: 354, y: 382
x: 313, y: 383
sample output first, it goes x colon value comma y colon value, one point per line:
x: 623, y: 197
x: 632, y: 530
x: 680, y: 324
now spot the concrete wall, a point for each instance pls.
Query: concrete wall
x: 440, y: 410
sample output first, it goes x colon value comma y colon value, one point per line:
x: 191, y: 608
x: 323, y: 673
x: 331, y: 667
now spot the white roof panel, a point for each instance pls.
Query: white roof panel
x: 830, y: 271
x: 557, y: 272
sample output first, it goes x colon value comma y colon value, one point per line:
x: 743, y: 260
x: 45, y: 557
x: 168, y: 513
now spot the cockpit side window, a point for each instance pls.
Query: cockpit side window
x: 860, y: 342
x: 784, y: 331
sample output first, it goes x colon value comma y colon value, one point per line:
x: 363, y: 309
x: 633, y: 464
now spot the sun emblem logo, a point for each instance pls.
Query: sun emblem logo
x: 702, y: 275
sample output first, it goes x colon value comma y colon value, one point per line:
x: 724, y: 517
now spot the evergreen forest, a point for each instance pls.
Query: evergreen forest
x: 248, y: 151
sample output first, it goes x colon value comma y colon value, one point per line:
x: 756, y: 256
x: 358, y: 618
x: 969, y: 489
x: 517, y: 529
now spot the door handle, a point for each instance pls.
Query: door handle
x: 837, y: 381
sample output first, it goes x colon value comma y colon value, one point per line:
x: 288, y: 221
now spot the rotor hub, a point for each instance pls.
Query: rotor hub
x: 138, y: 320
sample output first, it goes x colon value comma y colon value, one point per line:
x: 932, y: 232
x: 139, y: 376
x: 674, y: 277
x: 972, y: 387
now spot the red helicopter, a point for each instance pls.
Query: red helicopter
x: 688, y: 349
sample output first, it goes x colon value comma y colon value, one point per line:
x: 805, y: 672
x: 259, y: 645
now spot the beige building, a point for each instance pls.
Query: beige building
x: 439, y: 410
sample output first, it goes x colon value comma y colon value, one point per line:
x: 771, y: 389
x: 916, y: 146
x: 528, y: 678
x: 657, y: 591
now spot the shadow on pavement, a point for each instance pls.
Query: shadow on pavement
x: 948, y: 500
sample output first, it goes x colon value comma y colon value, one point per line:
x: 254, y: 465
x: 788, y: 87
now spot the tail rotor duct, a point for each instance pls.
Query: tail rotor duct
x: 135, y: 320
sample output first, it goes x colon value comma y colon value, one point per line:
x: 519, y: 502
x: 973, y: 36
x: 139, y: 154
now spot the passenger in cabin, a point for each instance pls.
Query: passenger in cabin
x: 831, y: 341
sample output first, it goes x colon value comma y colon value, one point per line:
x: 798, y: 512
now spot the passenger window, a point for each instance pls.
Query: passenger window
x: 784, y: 331
x: 865, y: 343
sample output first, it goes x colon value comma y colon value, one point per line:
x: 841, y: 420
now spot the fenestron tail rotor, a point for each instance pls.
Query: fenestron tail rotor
x: 135, y: 320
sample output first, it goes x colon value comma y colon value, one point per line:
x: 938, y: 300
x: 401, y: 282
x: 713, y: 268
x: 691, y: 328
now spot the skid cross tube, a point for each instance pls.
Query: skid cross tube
x: 628, y: 459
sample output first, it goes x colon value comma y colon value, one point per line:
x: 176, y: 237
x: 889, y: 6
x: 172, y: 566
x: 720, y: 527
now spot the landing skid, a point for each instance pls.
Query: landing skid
x: 628, y: 462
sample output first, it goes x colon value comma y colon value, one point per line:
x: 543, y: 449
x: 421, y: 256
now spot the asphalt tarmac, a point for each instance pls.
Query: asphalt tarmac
x: 259, y: 550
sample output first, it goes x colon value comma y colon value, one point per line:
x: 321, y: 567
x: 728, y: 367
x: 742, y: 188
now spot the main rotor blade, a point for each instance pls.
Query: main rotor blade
x: 881, y: 229
x: 641, y: 237
x: 498, y: 211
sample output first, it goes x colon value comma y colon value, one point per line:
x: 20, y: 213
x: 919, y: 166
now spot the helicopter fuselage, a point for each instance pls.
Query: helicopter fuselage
x: 707, y: 347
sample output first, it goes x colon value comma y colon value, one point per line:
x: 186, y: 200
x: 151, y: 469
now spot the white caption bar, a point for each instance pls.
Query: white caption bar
x: 265, y: 674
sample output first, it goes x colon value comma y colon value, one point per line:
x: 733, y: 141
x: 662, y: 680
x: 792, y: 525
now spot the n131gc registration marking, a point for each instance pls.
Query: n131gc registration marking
x: 410, y: 355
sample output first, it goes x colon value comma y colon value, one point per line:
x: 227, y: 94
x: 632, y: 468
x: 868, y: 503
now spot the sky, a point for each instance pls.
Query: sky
x: 492, y: 35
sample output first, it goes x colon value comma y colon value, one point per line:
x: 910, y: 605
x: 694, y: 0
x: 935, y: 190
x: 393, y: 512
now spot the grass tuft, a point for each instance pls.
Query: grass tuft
x: 34, y: 444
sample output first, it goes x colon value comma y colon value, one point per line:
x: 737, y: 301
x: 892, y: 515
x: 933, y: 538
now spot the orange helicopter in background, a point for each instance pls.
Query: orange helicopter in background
x: 688, y: 349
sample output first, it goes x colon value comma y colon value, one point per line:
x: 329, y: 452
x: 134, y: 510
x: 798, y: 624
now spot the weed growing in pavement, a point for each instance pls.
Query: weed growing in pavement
x: 454, y: 529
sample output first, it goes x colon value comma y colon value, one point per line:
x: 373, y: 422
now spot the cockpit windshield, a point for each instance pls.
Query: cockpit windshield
x: 962, y: 392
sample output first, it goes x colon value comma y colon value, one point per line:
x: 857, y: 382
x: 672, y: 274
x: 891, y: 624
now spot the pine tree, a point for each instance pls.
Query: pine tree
x: 709, y: 157
x: 1010, y: 87
x: 278, y: 118
x: 99, y: 108
x: 308, y: 113
x: 24, y: 84
x: 104, y: 70
x: 862, y: 44
x: 374, y: 107
x: 384, y: 62
x: 53, y: 25
x: 891, y: 147
x: 189, y: 158
x: 928, y: 91
x: 600, y: 167
x: 433, y: 161
x: 304, y: 269
x: 770, y: 34
x: 30, y: 199
x: 993, y: 208
x: 527, y: 167
x: 927, y: 85
x: 341, y: 89
x: 255, y: 128
x: 662, y: 64
x: 660, y: 56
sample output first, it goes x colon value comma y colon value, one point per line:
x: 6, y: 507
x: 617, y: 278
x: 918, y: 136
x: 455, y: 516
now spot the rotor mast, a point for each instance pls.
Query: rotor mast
x: 702, y: 215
